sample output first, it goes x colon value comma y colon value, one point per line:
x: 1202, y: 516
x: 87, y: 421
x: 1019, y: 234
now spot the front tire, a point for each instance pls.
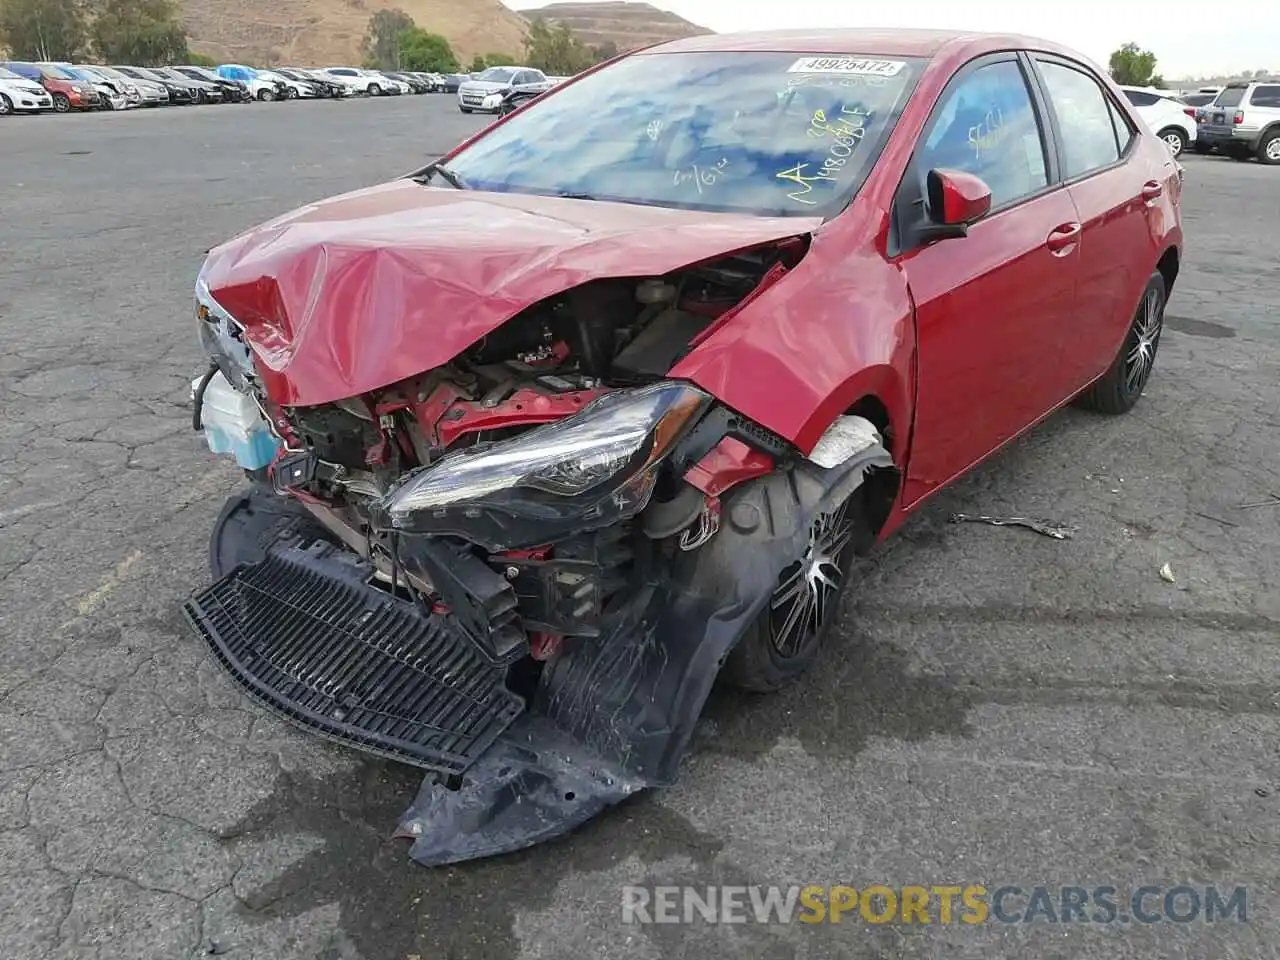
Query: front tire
x: 375, y: 90
x: 1175, y: 139
x: 1269, y: 149
x: 60, y: 103
x: 1123, y: 383
x: 6, y: 106
x: 787, y: 637
x: 266, y: 96
x: 464, y: 109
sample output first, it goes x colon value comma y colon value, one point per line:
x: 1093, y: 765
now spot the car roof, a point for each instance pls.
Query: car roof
x: 905, y: 42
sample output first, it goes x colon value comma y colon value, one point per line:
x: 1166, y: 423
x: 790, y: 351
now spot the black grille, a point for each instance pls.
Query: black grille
x: 346, y: 660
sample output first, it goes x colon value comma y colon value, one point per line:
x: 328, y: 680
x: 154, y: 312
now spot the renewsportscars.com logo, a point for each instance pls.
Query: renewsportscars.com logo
x: 938, y: 904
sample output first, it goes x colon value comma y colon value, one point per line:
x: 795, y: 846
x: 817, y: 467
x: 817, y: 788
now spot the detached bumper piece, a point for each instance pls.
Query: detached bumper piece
x: 304, y: 633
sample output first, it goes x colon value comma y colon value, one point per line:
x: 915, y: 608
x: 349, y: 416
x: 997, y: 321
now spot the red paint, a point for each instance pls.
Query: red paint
x: 522, y: 408
x: 359, y: 292
x: 772, y: 276
x: 966, y: 342
x: 964, y: 197
x: 727, y: 464
x: 545, y: 646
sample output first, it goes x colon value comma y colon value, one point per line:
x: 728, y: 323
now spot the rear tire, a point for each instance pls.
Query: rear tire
x: 1121, y: 386
x: 1175, y: 139
x: 1269, y: 148
x: 787, y: 637
x: 1202, y: 148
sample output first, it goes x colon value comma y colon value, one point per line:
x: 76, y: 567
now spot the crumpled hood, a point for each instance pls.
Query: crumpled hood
x: 355, y: 293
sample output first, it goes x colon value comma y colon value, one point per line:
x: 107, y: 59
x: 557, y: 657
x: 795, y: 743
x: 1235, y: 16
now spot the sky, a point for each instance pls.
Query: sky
x: 1185, y: 39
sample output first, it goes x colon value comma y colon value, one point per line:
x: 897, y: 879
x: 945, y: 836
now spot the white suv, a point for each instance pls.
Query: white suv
x: 1167, y: 118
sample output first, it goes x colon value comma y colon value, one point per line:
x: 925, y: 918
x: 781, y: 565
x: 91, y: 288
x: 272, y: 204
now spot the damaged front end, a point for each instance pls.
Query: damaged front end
x: 520, y: 570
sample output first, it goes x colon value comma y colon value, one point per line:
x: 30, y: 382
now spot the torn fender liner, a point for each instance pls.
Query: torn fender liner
x: 534, y: 784
x: 614, y: 715
x: 303, y: 632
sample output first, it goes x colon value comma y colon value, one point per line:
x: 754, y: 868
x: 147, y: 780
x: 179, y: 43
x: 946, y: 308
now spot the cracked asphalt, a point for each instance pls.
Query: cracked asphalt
x: 999, y: 708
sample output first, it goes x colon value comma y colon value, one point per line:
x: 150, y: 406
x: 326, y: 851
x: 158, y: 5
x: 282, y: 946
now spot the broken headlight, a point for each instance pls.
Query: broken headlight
x: 598, y: 465
x: 222, y: 338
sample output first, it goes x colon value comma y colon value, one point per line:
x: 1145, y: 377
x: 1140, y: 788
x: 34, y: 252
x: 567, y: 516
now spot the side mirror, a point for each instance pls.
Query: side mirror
x: 955, y: 199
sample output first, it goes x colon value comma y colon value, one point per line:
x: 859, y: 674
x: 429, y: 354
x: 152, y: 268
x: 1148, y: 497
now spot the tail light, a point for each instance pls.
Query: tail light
x: 1190, y: 112
x: 1238, y: 118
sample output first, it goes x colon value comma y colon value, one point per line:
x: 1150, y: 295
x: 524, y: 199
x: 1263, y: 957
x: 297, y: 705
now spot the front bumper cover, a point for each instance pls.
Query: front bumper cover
x: 612, y: 715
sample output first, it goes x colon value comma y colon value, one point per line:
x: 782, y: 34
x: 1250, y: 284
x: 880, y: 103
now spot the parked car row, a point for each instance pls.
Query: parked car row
x: 34, y: 87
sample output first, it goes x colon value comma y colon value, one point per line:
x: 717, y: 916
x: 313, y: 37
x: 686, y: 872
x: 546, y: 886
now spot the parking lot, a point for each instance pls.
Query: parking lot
x: 999, y: 708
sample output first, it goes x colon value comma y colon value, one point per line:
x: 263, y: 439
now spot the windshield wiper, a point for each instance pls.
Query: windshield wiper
x: 446, y: 174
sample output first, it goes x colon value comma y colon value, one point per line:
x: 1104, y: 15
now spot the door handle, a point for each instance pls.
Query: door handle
x: 1152, y: 189
x: 1062, y: 239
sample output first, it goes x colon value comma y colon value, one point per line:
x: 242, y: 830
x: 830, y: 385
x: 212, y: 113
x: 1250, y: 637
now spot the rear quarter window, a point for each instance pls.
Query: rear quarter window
x: 1266, y: 95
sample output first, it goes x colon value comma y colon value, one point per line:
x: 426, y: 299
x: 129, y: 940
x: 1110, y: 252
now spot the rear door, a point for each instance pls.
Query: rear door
x: 1115, y: 184
x: 990, y: 306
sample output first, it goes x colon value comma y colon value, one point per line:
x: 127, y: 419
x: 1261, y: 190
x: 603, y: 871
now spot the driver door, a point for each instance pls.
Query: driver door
x: 989, y: 305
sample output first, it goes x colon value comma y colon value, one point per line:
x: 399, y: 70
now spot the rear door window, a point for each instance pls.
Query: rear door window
x: 1266, y: 95
x: 1124, y: 129
x: 1084, y: 119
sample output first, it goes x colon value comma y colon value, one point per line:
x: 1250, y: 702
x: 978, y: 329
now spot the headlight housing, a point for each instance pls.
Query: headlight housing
x: 222, y: 338
x: 586, y: 471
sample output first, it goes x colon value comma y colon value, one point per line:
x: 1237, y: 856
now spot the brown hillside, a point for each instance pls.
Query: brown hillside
x: 628, y: 24
x: 330, y: 32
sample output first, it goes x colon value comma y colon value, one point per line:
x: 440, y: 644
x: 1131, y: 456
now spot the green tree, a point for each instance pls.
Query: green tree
x: 1133, y: 66
x: 42, y: 29
x: 500, y: 60
x: 428, y: 52
x: 382, y: 38
x: 144, y: 32
x: 478, y: 64
x: 200, y: 60
x: 555, y: 50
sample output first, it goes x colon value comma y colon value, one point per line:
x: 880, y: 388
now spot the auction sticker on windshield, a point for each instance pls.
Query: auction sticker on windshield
x: 860, y: 66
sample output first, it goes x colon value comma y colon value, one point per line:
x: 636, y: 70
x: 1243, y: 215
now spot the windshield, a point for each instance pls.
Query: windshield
x: 6, y: 74
x: 56, y: 72
x: 497, y: 75
x: 202, y: 74
x: 771, y: 134
x: 111, y: 72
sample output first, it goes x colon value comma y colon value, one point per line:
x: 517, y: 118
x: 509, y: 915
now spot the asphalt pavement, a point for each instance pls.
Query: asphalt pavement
x: 1000, y: 708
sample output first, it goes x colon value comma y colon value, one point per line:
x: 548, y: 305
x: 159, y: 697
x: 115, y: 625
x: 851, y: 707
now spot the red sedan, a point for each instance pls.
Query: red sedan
x: 550, y: 435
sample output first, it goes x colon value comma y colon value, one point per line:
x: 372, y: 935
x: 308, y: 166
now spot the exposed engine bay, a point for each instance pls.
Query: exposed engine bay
x: 522, y: 569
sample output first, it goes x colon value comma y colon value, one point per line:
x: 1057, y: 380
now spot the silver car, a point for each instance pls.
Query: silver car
x: 1243, y: 121
x: 485, y: 93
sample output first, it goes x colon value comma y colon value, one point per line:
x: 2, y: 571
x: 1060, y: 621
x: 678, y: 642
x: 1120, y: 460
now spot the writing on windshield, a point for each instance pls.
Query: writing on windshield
x: 776, y: 134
